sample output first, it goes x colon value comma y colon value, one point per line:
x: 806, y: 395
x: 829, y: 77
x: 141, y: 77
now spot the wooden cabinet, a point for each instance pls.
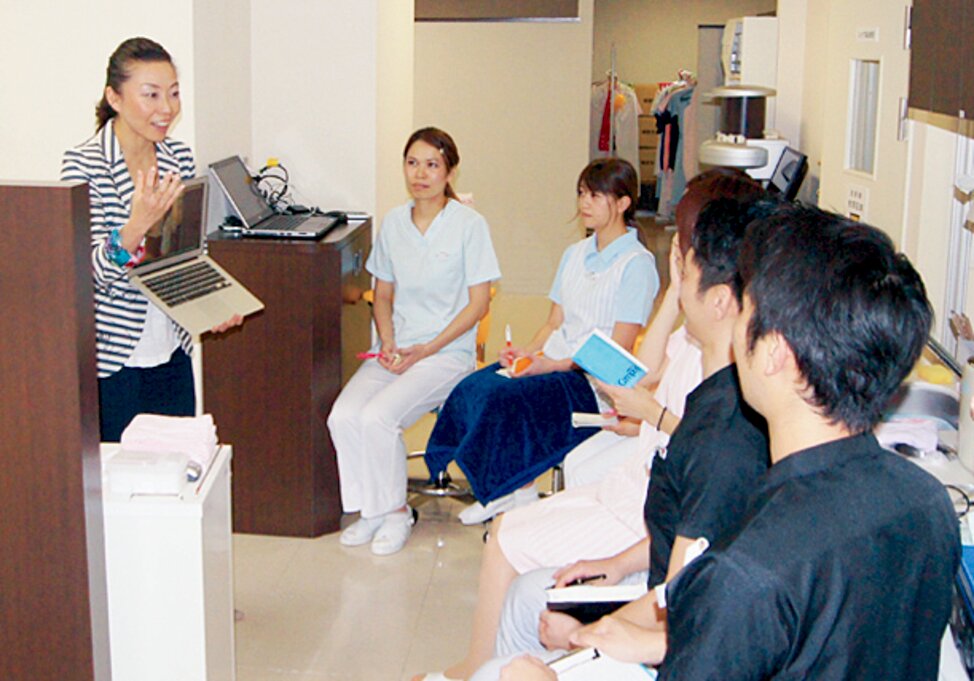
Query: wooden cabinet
x: 53, y: 612
x: 941, y: 54
x: 270, y: 384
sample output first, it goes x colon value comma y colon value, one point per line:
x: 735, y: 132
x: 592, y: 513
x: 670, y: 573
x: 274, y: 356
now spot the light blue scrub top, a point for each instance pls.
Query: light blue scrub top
x: 635, y: 299
x: 431, y: 272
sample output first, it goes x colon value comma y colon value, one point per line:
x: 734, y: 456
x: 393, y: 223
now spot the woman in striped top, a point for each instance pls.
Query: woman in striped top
x: 134, y: 174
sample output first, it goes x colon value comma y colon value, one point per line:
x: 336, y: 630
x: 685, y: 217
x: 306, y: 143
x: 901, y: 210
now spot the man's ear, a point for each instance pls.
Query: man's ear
x: 779, y: 354
x: 723, y: 301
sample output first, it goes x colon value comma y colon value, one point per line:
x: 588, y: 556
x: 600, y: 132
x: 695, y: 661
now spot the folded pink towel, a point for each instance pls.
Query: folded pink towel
x: 194, y: 436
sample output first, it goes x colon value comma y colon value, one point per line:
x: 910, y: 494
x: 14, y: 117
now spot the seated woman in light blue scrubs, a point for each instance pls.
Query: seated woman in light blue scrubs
x: 504, y: 432
x: 433, y: 263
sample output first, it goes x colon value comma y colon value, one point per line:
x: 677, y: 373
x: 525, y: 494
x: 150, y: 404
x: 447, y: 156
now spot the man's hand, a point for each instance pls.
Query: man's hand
x: 622, y: 640
x: 555, y: 630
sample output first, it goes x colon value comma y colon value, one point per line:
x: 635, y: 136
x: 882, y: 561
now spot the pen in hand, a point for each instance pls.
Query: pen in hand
x: 585, y: 580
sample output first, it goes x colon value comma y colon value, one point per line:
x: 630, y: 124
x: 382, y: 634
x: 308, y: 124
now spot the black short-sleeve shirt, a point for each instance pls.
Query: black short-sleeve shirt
x: 842, y: 570
x: 712, y: 464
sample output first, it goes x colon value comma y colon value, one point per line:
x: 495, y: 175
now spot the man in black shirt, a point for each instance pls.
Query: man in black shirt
x: 843, y: 564
x: 699, y: 489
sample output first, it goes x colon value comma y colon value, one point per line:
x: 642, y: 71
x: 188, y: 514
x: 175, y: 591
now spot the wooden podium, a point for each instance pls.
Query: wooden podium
x: 53, y: 608
x: 270, y: 384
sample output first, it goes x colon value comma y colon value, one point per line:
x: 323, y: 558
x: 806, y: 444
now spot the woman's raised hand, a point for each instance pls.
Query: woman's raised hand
x: 154, y: 195
x: 676, y: 263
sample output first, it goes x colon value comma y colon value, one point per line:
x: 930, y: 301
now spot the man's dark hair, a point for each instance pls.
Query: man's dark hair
x: 853, y: 310
x: 719, y: 234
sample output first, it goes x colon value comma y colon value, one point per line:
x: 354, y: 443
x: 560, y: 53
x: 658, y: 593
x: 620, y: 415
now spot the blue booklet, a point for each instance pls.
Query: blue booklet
x: 608, y: 361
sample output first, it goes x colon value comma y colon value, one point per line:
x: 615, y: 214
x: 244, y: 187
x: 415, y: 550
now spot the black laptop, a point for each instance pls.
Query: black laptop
x: 256, y: 215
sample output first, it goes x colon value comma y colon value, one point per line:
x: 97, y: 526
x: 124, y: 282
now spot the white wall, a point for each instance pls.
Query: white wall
x: 813, y: 85
x: 656, y: 38
x: 930, y: 194
x: 53, y: 56
x: 394, y: 104
x: 514, y: 96
x: 792, y: 20
x: 318, y: 103
x: 325, y: 99
x: 222, y: 96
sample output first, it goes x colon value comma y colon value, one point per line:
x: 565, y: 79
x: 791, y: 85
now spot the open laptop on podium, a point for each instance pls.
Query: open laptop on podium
x: 179, y: 278
x: 257, y: 216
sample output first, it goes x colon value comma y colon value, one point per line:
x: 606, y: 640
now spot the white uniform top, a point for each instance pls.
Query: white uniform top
x: 431, y: 272
x: 590, y: 299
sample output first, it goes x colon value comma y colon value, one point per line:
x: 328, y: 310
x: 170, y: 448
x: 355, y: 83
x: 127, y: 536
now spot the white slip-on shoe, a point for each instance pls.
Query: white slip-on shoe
x: 525, y: 496
x: 477, y: 513
x: 361, y: 531
x: 394, y: 533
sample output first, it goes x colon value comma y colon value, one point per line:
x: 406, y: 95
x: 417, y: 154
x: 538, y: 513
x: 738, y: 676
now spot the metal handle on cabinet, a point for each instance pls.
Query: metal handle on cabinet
x: 357, y: 262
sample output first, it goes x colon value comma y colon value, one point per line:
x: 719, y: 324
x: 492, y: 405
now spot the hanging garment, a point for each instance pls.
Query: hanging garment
x: 675, y: 107
x: 624, y: 120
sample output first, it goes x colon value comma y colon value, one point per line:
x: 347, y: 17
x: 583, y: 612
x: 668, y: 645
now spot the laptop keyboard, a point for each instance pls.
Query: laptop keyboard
x: 283, y: 222
x: 186, y: 284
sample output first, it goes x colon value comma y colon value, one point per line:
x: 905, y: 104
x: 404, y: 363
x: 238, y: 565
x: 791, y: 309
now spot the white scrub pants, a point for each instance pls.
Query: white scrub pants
x: 526, y: 599
x: 366, y: 424
x: 518, y: 634
x: 590, y: 461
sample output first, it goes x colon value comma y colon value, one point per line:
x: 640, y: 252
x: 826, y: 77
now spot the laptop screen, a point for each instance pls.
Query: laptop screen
x: 181, y: 231
x: 789, y: 173
x: 242, y: 190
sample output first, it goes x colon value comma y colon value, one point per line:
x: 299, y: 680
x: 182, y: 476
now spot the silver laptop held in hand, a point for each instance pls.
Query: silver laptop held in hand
x: 179, y: 278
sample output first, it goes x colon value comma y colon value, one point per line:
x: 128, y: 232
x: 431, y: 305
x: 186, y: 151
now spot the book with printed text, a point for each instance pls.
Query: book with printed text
x: 608, y: 361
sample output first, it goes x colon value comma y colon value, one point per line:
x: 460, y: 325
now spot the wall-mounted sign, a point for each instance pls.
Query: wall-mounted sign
x: 857, y: 203
x: 867, y: 35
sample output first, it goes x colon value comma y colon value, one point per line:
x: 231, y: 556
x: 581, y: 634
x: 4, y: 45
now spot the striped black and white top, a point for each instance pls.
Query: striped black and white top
x: 120, y: 308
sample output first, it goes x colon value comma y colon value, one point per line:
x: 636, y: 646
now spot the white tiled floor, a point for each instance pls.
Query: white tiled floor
x: 316, y: 610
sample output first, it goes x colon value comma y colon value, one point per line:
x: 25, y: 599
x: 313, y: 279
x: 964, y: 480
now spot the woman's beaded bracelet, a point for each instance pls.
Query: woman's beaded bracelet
x: 116, y: 253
